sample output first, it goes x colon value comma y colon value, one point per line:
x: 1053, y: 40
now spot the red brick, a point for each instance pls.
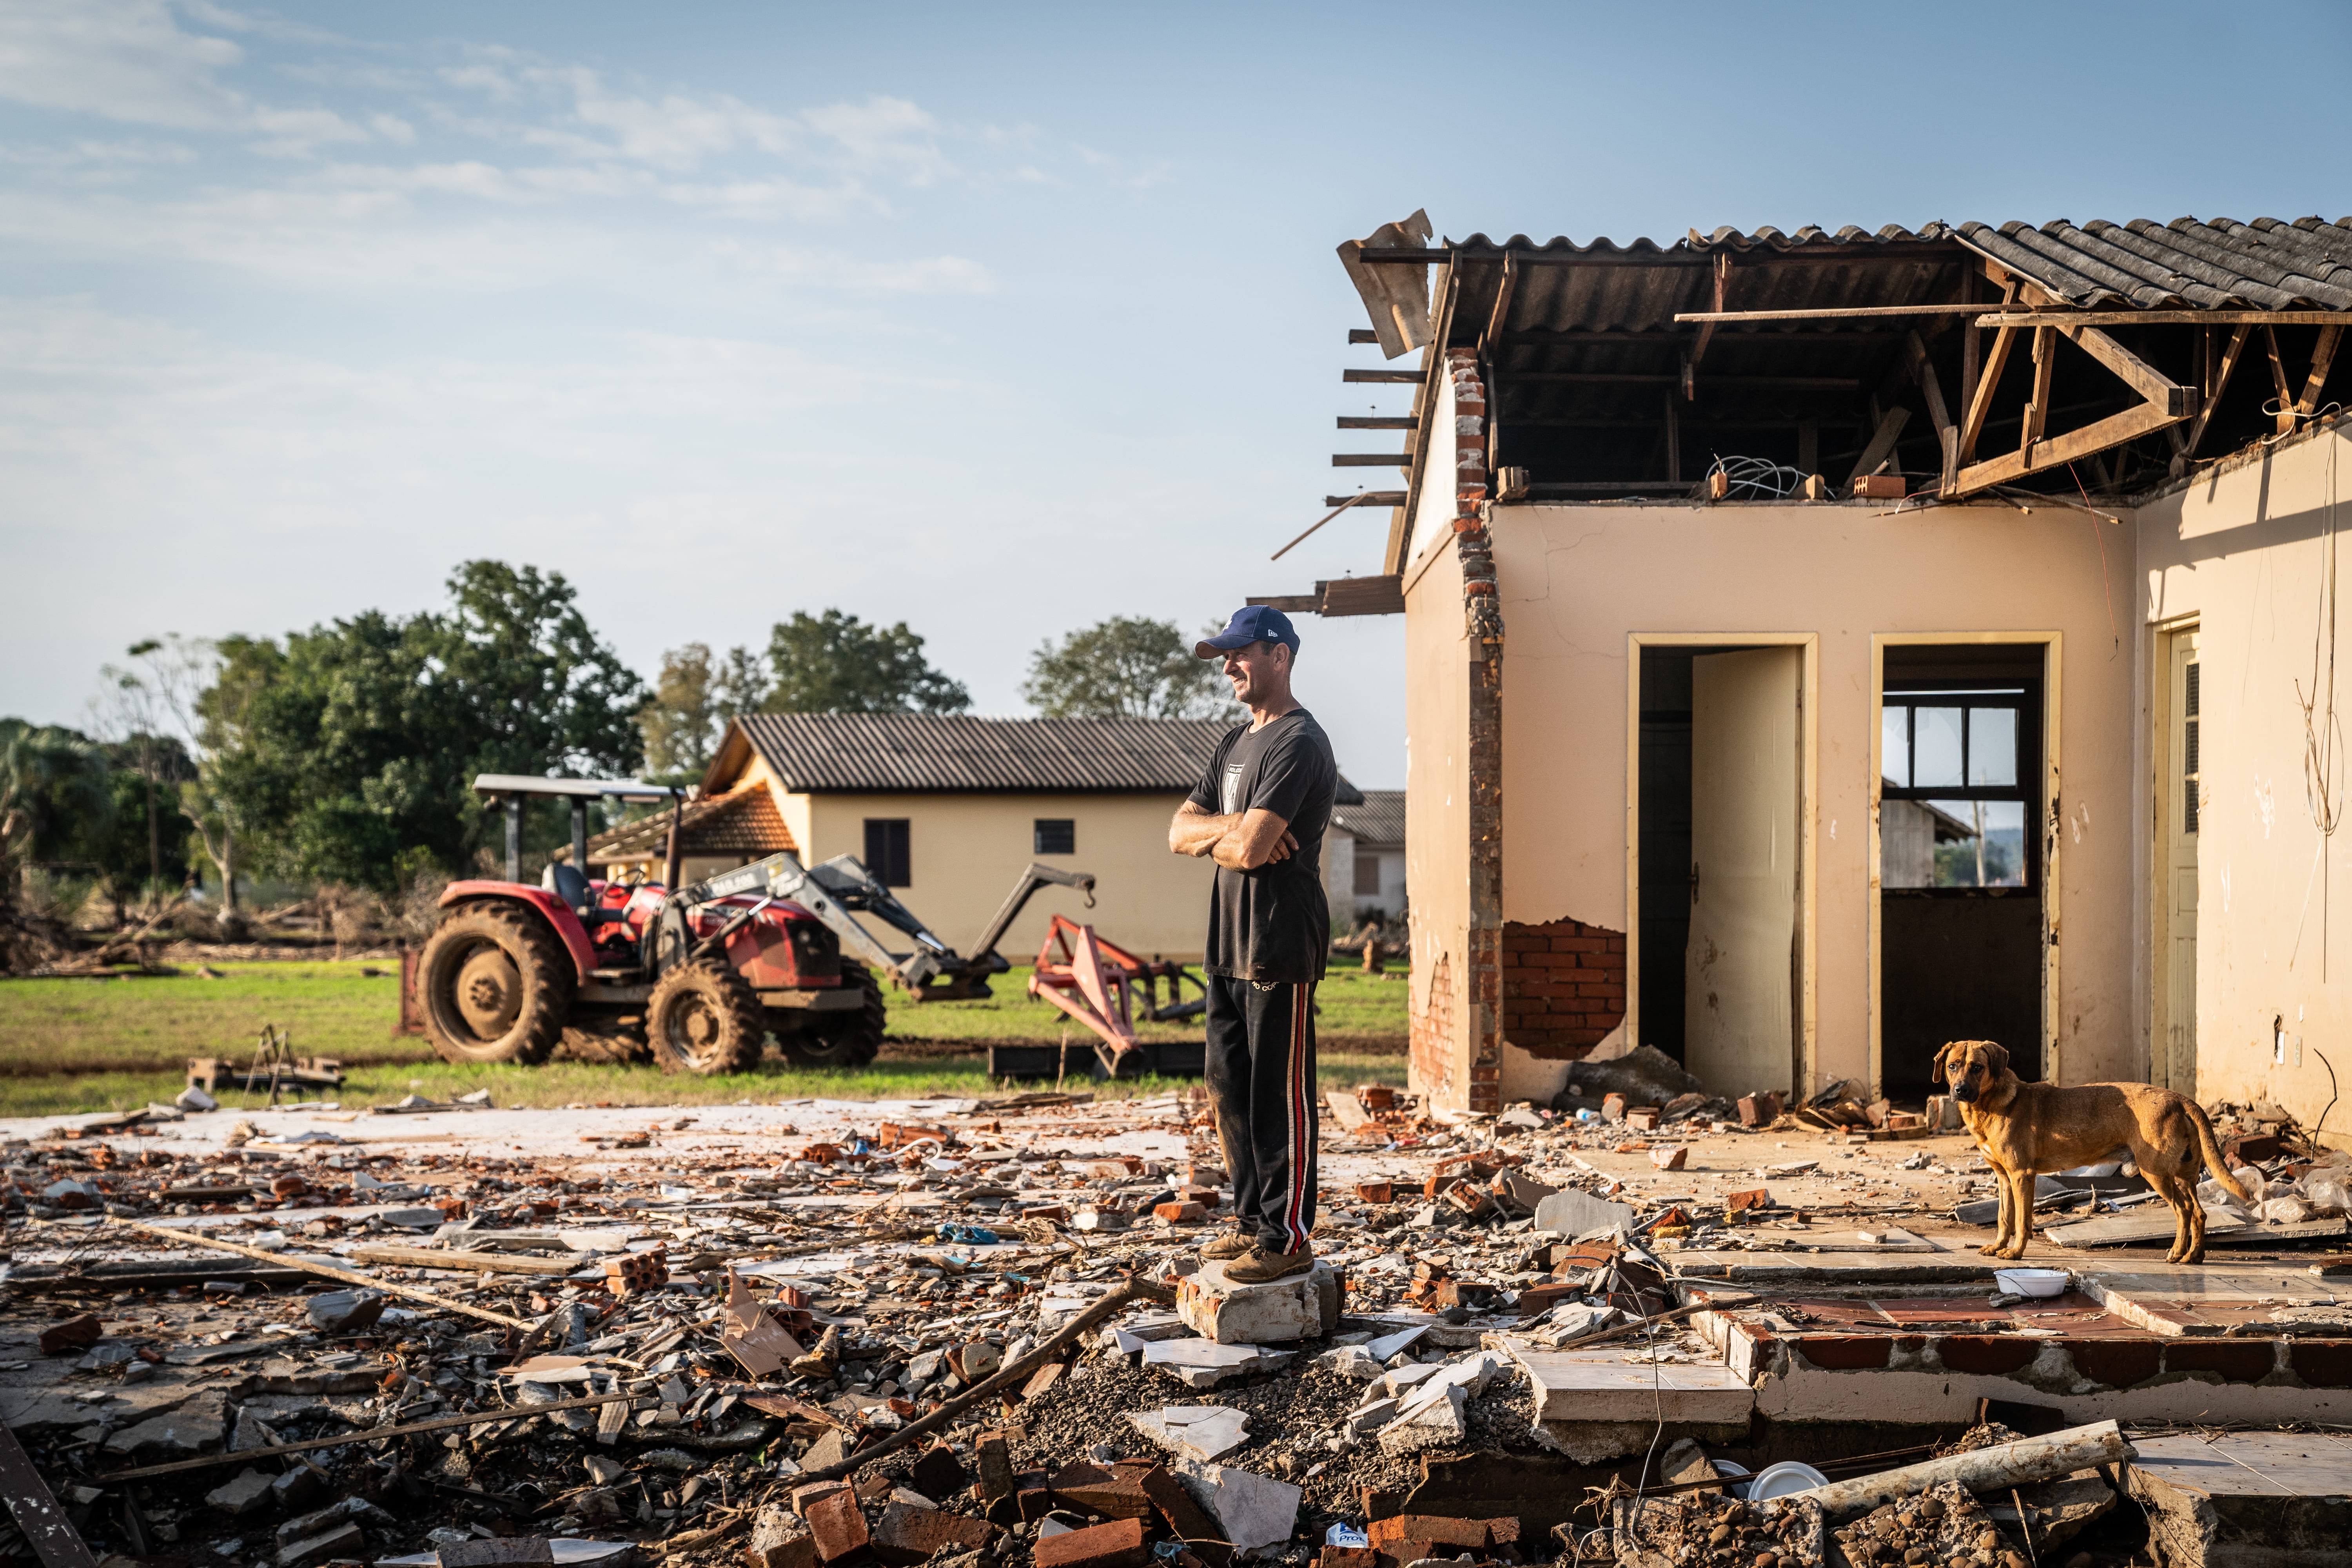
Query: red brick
x: 833, y: 1518
x: 2235, y: 1361
x: 1115, y: 1497
x: 1991, y: 1355
x: 2118, y: 1362
x: 73, y: 1334
x: 1753, y: 1198
x: 1118, y: 1544
x: 1043, y: 1378
x: 905, y: 1534
x: 2322, y: 1364
x: 1579, y: 945
x: 780, y: 1541
x: 1182, y: 1213
x: 1177, y: 1509
x: 1376, y: 1192
x: 1409, y: 1537
x: 1843, y: 1353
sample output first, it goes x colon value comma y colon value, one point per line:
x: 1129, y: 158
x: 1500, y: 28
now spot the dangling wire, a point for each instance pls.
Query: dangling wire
x: 1755, y: 479
x: 2322, y: 733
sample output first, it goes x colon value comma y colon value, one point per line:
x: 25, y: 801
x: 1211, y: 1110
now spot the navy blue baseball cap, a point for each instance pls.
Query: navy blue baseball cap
x: 1251, y: 623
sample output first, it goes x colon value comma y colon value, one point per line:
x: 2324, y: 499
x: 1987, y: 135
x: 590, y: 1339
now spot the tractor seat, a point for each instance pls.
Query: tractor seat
x: 566, y: 881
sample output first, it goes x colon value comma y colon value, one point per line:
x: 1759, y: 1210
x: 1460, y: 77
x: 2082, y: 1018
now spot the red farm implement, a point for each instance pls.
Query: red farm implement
x: 1106, y: 988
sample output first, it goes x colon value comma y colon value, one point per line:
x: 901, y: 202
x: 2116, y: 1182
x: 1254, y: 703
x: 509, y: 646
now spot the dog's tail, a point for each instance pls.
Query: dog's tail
x: 2213, y: 1152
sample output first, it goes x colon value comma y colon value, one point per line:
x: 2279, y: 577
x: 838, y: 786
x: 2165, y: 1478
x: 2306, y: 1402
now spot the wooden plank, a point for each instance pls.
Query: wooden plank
x: 2166, y: 318
x: 47, y: 1530
x: 2278, y: 380
x: 1979, y: 405
x: 371, y: 1434
x: 2060, y: 451
x: 1382, y: 377
x: 1674, y: 379
x: 1989, y: 315
x: 1346, y: 1110
x: 2037, y: 406
x: 197, y: 1238
x: 1361, y: 597
x: 2323, y: 355
x: 1371, y: 460
x: 1882, y: 443
x: 2152, y: 385
x: 2212, y: 397
x: 1706, y: 329
x: 1947, y: 437
x: 1378, y: 422
x: 1502, y: 310
x: 471, y: 1261
x: 1370, y: 498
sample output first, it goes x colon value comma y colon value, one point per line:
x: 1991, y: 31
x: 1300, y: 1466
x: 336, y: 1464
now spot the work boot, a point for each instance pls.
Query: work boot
x: 1264, y: 1265
x: 1233, y: 1244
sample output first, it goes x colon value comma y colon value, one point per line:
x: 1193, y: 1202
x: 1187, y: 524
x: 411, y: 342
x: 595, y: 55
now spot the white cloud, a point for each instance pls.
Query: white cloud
x: 124, y: 60
x: 923, y: 275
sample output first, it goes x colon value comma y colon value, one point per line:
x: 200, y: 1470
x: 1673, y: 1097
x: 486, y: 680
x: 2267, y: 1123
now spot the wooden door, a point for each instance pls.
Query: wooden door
x: 1739, y: 1012
x: 2177, y: 857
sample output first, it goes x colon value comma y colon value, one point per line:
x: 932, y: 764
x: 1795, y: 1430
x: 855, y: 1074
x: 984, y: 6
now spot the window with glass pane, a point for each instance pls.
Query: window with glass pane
x: 1954, y: 792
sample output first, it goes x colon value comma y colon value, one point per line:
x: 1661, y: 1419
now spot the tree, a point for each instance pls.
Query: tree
x: 136, y: 715
x: 834, y: 663
x: 348, y: 752
x: 1126, y: 667
x: 54, y: 789
x: 692, y: 701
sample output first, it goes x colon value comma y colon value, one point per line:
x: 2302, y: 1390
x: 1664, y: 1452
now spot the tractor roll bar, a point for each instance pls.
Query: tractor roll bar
x: 507, y: 789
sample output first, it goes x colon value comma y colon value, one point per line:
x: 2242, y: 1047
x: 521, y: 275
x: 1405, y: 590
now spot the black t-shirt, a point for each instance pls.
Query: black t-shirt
x: 1273, y: 923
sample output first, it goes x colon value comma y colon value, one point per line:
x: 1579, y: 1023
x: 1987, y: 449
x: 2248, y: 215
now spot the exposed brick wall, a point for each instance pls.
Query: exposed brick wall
x: 1563, y: 986
x: 1483, y: 625
x: 1431, y: 1038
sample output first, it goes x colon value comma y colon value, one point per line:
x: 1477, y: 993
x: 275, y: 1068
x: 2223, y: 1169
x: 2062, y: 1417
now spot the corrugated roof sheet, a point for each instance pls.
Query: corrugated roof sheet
x: 953, y: 752
x: 1380, y: 820
x: 743, y: 823
x: 2216, y: 264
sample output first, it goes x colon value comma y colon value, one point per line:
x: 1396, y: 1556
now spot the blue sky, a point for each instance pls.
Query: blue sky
x: 994, y: 320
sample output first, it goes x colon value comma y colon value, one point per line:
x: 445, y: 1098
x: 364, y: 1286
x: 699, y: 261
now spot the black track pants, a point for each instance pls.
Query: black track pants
x: 1261, y: 1073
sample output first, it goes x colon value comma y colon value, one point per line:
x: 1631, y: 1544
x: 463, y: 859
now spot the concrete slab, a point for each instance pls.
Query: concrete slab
x: 1203, y: 1432
x: 1602, y: 1385
x: 1302, y: 1307
x: 2269, y: 1301
x: 2246, y: 1499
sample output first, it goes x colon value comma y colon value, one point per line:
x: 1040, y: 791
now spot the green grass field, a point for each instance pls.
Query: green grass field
x: 101, y: 1044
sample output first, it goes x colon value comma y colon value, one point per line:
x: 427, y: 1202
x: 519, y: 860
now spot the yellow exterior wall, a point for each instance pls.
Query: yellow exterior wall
x: 1438, y: 824
x: 2244, y: 550
x: 966, y: 850
x: 1576, y: 581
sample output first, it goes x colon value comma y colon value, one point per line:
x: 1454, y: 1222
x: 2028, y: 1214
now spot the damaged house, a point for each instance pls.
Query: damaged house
x: 1823, y: 645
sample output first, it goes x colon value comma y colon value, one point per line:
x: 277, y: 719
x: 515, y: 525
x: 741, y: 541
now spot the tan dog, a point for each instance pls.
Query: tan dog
x: 2027, y: 1129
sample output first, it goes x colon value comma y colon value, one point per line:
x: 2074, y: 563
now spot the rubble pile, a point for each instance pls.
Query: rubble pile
x: 969, y: 1332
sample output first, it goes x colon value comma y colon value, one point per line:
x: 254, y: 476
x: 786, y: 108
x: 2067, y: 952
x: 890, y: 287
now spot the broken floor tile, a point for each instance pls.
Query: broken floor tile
x: 1201, y: 1432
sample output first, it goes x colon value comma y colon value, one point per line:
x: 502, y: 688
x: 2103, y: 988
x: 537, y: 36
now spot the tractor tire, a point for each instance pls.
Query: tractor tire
x: 703, y: 1019
x: 844, y: 1039
x: 496, y: 985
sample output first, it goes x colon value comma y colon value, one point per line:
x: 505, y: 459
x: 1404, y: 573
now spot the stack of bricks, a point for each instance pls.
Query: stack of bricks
x: 632, y: 1272
x: 1563, y: 986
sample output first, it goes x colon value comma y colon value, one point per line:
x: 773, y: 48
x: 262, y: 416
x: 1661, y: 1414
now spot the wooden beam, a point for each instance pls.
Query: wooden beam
x: 1673, y: 442
x: 1842, y: 313
x: 1882, y: 443
x: 1378, y: 422
x: 2212, y: 398
x: 1980, y: 402
x: 2060, y: 451
x: 1362, y: 335
x: 1635, y: 378
x: 1371, y: 460
x: 2168, y: 319
x: 1502, y: 310
x: 1382, y: 377
x: 2278, y: 379
x: 2323, y: 355
x: 2037, y: 407
x: 1706, y: 329
x: 1370, y: 498
x: 2152, y: 385
x: 1948, y: 436
x: 1665, y: 337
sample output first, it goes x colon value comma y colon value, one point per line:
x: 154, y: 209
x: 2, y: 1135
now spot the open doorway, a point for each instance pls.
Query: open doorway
x: 1961, y: 947
x: 1718, y: 861
x: 2180, y: 702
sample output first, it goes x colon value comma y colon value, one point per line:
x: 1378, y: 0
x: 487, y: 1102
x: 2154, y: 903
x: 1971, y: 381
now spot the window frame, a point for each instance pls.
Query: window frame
x: 1037, y: 826
x: 2022, y: 697
x: 902, y: 873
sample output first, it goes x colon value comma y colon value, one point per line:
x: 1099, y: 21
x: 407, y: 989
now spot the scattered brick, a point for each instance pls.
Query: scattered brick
x: 1753, y: 1198
x: 73, y: 1334
x: 1376, y: 1192
x: 1182, y: 1213
x: 906, y: 1534
x: 1118, y: 1544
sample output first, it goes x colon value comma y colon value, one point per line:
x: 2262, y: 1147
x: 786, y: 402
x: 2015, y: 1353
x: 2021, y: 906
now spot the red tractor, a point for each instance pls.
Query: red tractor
x: 699, y: 979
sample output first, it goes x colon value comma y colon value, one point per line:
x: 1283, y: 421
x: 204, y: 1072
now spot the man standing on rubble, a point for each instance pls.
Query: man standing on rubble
x: 1259, y: 812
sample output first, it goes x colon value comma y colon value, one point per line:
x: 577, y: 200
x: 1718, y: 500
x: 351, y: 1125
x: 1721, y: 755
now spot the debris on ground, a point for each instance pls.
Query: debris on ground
x: 980, y: 1332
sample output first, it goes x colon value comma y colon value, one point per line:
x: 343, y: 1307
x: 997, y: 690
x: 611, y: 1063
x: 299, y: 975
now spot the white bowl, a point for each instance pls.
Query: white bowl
x: 2038, y: 1282
x: 1732, y: 1471
x: 1781, y: 1480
